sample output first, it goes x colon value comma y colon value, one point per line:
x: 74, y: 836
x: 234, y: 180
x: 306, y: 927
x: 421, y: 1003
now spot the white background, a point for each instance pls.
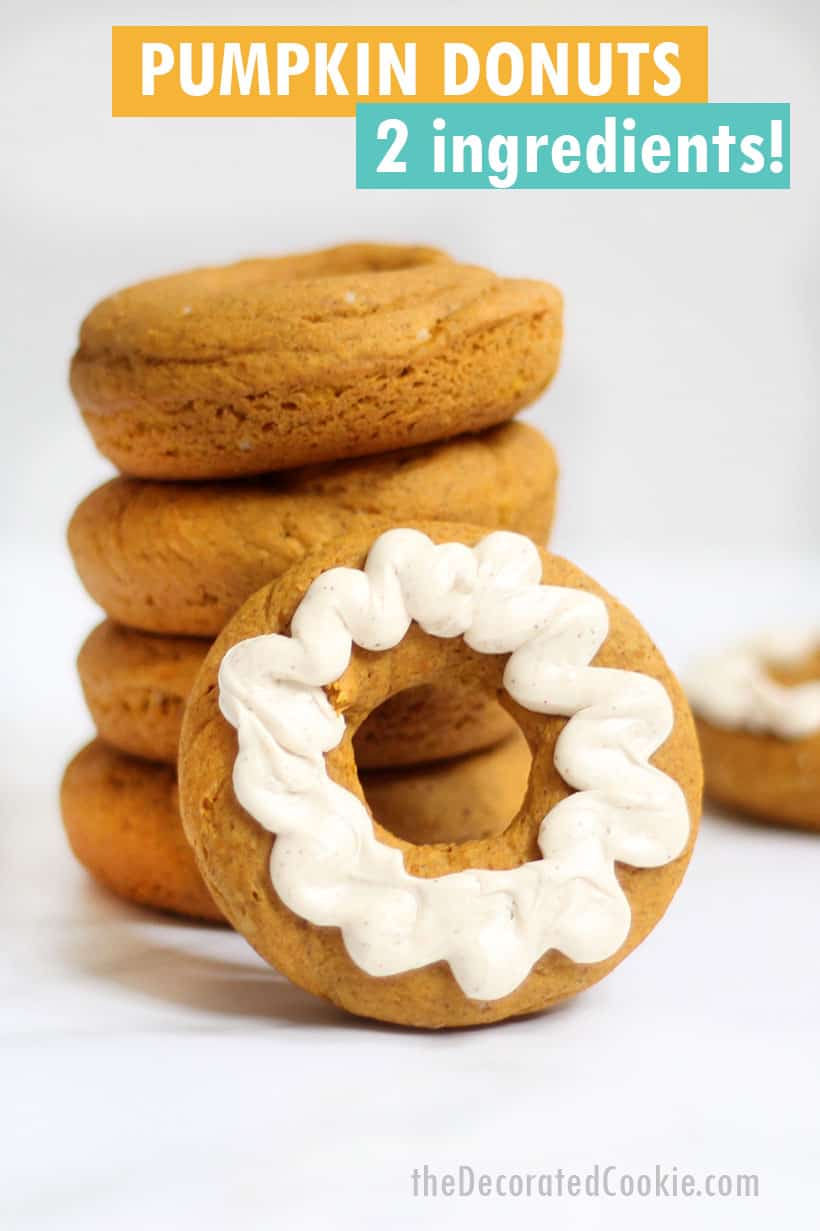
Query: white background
x: 156, y: 1074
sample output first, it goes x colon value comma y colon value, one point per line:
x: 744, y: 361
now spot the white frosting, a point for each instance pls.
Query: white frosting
x: 327, y: 864
x: 735, y: 689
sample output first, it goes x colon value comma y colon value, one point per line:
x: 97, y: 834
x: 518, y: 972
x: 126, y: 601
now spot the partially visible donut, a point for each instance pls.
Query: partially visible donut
x: 181, y: 557
x: 121, y: 816
x: 757, y: 707
x: 277, y: 363
x: 136, y: 685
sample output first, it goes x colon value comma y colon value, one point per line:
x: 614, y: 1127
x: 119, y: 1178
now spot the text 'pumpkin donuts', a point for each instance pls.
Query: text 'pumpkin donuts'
x: 440, y: 934
x: 272, y: 364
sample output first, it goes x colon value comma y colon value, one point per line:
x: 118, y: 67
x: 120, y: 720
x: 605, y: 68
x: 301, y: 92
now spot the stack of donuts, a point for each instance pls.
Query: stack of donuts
x: 257, y: 414
x: 344, y: 698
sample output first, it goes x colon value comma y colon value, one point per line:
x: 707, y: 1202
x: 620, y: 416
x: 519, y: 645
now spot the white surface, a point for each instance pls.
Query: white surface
x: 153, y: 1074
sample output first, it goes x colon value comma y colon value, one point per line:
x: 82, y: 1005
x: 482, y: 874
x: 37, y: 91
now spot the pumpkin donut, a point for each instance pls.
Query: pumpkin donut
x: 757, y: 707
x: 122, y: 818
x: 136, y: 685
x: 181, y: 557
x: 438, y: 934
x: 271, y: 364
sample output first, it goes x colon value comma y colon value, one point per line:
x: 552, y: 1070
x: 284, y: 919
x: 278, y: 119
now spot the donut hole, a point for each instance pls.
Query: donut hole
x: 805, y: 670
x: 464, y: 799
x: 430, y: 674
x: 348, y: 261
x: 427, y: 722
x: 380, y: 259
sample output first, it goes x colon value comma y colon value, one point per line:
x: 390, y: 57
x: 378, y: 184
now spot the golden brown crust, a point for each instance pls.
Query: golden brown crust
x: 272, y: 364
x: 121, y: 816
x: 774, y: 779
x: 180, y: 558
x: 136, y: 685
x: 233, y: 851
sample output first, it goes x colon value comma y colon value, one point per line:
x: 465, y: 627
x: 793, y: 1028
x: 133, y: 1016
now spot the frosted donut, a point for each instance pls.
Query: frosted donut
x: 758, y: 718
x: 438, y: 934
x: 271, y: 364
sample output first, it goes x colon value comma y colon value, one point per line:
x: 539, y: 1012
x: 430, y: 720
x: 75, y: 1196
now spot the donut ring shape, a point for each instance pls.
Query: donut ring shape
x: 271, y: 364
x: 758, y: 718
x: 541, y: 890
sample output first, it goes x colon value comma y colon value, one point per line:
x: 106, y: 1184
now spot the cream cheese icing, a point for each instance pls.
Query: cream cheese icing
x: 734, y: 688
x: 328, y: 866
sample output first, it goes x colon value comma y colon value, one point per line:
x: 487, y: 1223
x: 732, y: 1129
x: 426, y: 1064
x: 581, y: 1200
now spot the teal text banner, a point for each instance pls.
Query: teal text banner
x: 572, y: 145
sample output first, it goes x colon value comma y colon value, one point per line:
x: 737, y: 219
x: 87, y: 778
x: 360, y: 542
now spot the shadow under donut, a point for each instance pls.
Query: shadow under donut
x: 204, y: 968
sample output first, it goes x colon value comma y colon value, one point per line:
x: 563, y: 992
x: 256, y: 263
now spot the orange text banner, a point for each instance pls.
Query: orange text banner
x: 325, y: 71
